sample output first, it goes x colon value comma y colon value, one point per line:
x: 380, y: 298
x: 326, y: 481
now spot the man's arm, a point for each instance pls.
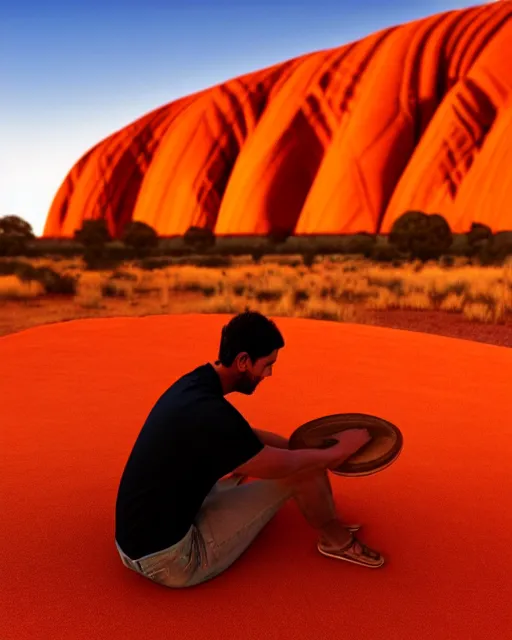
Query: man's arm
x: 269, y: 439
x: 272, y: 439
x: 272, y: 462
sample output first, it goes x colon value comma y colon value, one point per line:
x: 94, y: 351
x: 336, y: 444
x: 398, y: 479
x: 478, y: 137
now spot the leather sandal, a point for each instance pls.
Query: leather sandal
x: 354, y: 551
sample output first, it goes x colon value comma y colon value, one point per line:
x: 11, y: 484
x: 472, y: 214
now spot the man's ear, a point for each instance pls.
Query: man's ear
x: 242, y: 361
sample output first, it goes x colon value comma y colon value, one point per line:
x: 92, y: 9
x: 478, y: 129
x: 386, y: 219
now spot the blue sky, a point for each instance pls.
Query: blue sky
x: 73, y: 72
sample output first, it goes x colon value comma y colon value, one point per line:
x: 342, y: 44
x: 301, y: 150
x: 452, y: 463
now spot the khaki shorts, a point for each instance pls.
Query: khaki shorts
x: 230, y: 518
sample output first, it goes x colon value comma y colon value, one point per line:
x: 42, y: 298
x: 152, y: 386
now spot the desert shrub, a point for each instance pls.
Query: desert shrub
x: 15, y: 235
x: 12, y: 267
x: 460, y: 245
x: 385, y: 253
x: 53, y: 248
x: 93, y: 233
x: 479, y: 239
x: 360, y: 244
x: 423, y: 237
x: 53, y: 282
x: 139, y: 236
x: 301, y: 295
x: 14, y: 225
x: 98, y: 258
x: 12, y: 245
x: 117, y: 250
x: 199, y: 238
x: 479, y: 232
x: 499, y: 247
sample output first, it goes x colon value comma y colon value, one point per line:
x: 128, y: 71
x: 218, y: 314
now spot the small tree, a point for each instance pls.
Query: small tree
x: 199, y: 238
x: 93, y: 233
x: 479, y: 240
x: 497, y: 249
x: 139, y: 236
x: 479, y: 232
x: 422, y: 236
x: 15, y: 234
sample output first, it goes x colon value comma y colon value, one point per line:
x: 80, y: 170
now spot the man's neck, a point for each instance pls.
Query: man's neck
x: 225, y: 376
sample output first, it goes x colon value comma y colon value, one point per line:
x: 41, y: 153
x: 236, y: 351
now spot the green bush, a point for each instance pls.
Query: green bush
x: 496, y: 249
x: 199, y: 238
x: 139, y: 236
x: 11, y: 246
x: 360, y: 244
x: 460, y: 245
x: 501, y: 244
x: 479, y: 232
x: 385, y: 253
x: 12, y: 267
x: 93, y: 233
x: 421, y: 236
x: 53, y: 282
x: 98, y: 258
x: 15, y: 226
x: 53, y: 248
x: 15, y: 235
x: 117, y: 250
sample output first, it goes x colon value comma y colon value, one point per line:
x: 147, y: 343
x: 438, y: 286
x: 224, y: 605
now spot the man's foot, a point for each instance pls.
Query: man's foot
x: 354, y: 551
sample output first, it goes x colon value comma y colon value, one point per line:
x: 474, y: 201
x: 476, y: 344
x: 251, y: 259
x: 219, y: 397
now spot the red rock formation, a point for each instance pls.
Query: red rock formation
x: 339, y: 141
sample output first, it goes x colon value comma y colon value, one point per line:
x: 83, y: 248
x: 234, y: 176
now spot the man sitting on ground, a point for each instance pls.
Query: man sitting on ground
x: 180, y: 520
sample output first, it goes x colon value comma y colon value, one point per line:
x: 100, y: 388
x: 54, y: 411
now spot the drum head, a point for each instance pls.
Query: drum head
x: 381, y: 451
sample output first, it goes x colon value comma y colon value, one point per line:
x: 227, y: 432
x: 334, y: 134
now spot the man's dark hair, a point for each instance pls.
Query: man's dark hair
x: 249, y: 332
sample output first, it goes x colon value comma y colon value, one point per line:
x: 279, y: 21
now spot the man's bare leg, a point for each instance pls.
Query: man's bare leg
x: 313, y: 495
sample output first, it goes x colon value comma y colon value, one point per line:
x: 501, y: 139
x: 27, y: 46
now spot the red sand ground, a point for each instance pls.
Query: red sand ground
x: 74, y: 396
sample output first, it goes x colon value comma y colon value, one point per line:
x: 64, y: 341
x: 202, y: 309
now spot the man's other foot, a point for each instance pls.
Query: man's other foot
x: 354, y: 551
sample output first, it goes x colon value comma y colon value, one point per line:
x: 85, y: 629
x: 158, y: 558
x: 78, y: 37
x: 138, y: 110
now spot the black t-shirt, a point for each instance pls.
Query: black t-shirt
x: 191, y: 438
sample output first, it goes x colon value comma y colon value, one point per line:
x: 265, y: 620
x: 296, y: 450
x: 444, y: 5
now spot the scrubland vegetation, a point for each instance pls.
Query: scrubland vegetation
x: 421, y: 265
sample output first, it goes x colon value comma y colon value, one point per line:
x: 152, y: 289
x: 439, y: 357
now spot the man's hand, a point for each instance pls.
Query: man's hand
x: 272, y: 439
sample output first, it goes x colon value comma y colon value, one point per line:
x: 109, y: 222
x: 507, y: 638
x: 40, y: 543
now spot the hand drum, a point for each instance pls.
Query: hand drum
x: 381, y: 451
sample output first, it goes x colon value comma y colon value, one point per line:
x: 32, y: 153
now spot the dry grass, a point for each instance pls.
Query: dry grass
x: 331, y: 289
x: 12, y: 288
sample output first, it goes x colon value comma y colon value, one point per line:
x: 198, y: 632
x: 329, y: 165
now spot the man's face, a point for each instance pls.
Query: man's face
x: 250, y: 375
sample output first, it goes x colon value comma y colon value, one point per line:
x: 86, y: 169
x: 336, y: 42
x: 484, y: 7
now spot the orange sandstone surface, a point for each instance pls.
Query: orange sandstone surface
x: 74, y: 396
x: 416, y: 116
